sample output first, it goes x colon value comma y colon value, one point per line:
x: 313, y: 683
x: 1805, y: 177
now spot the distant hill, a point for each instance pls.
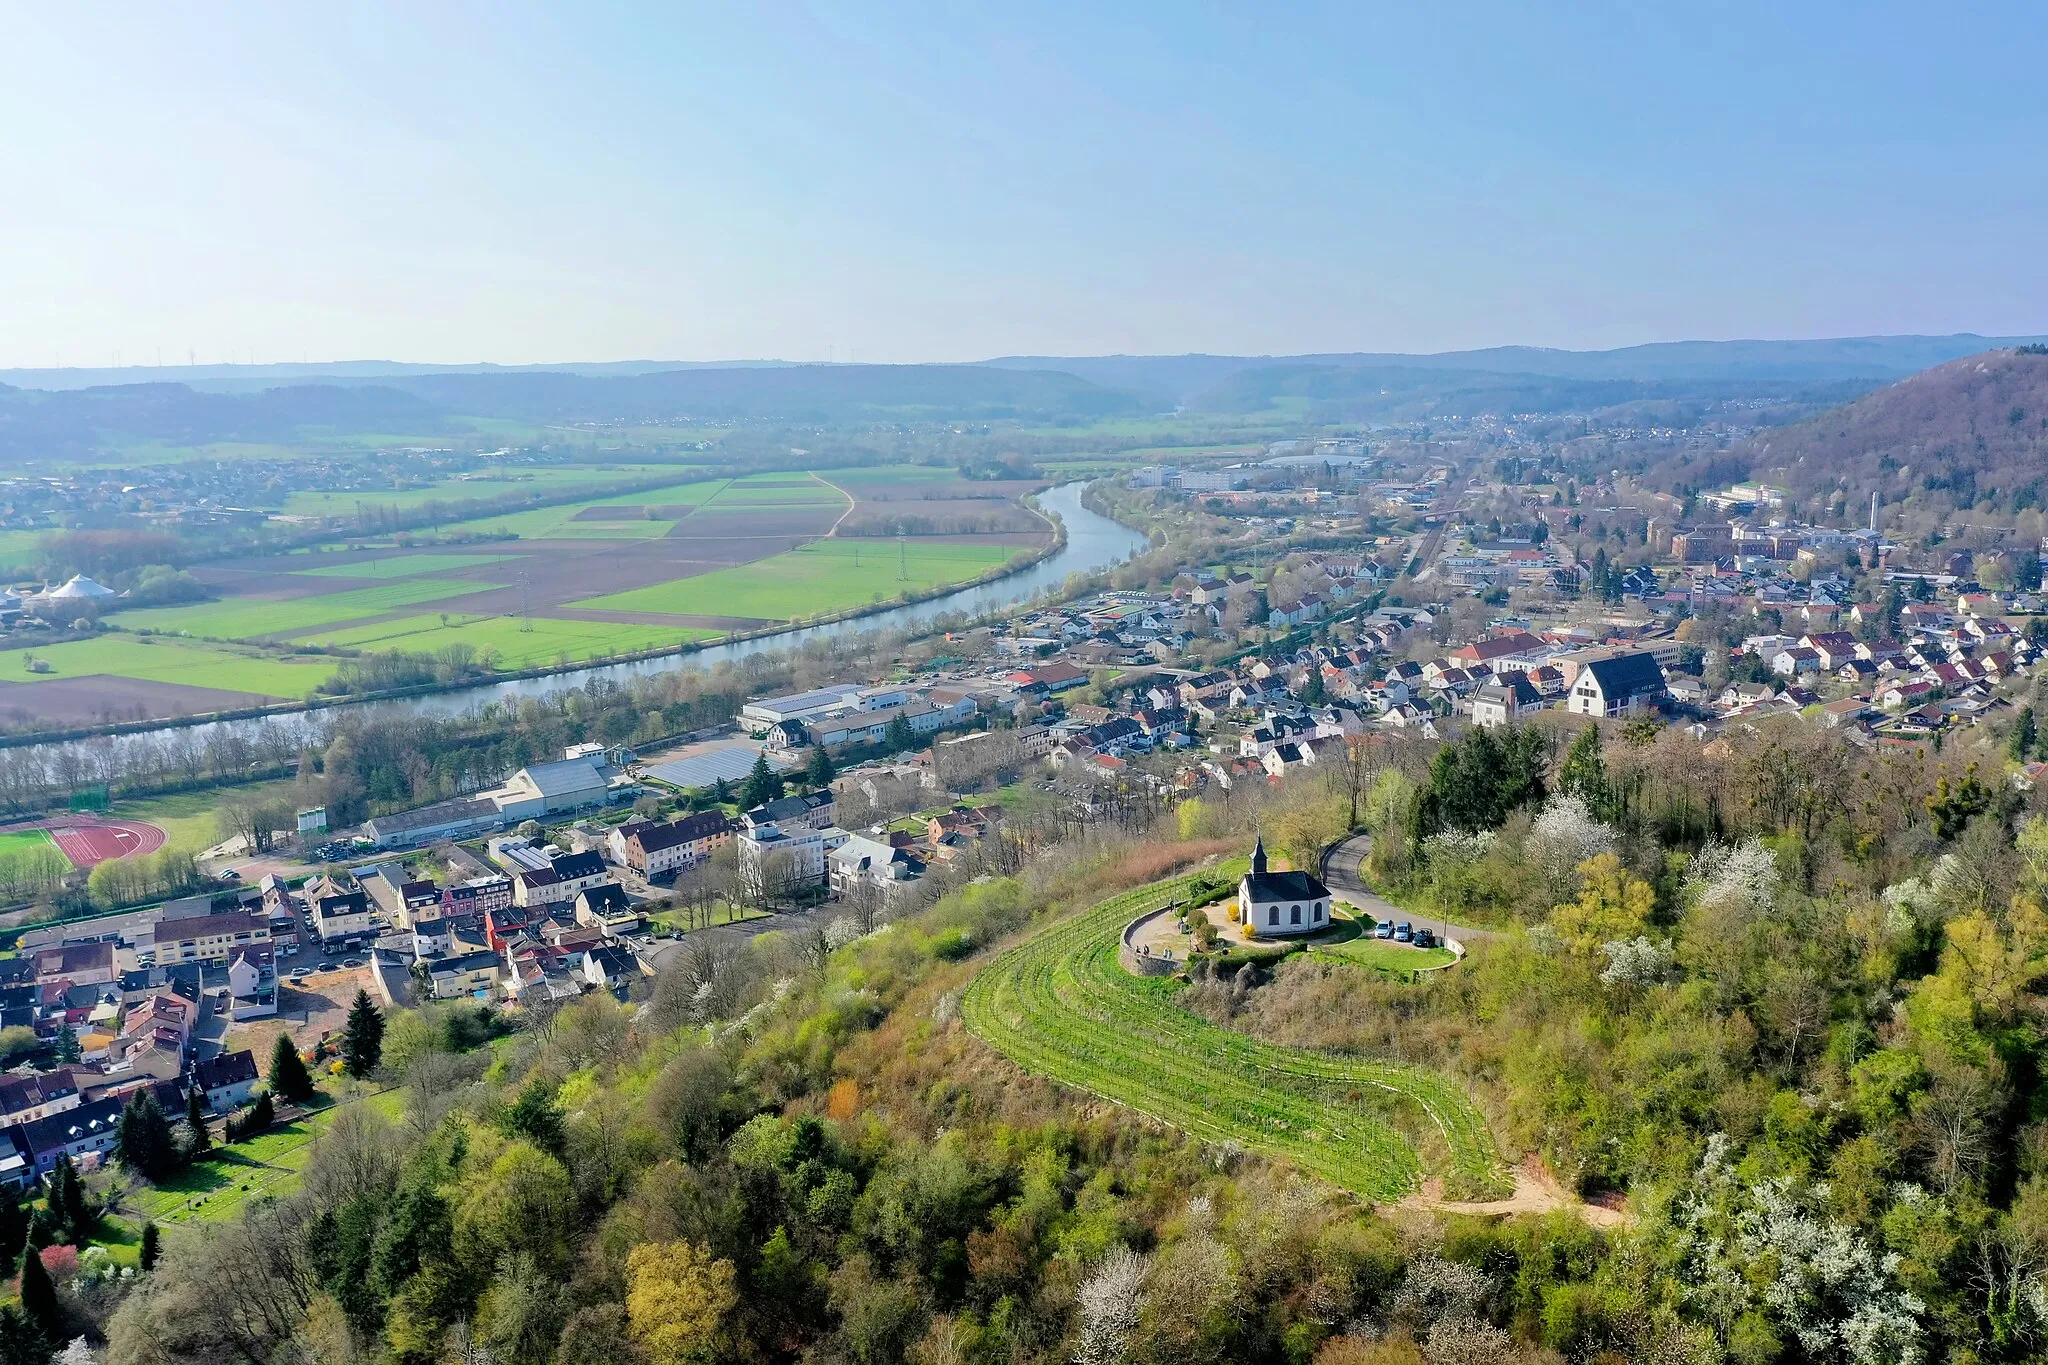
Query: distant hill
x: 77, y: 423
x: 1401, y: 393
x: 1972, y: 433
x: 1184, y: 377
x: 796, y: 392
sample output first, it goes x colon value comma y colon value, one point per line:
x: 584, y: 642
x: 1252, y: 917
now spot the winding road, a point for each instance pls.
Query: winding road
x: 1342, y: 873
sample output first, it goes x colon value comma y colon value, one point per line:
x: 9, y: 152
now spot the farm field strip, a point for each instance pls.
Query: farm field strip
x: 517, y: 647
x: 1061, y: 1005
x: 824, y: 576
x: 401, y: 566
x: 248, y: 618
x: 163, y: 659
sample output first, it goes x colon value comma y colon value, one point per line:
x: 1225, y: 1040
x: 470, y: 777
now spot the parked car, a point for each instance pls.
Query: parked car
x: 228, y: 874
x: 348, y: 963
x: 1404, y: 933
x: 1385, y: 929
x: 1425, y: 938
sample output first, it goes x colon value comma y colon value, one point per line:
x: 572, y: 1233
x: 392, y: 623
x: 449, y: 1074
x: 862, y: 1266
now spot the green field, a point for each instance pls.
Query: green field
x: 18, y: 551
x: 192, y: 819
x: 768, y: 491
x: 1060, y: 1005
x: 400, y: 566
x: 15, y: 842
x: 824, y: 576
x: 549, y: 481
x: 560, y: 523
x: 159, y: 659
x: 245, y: 619
x: 545, y: 643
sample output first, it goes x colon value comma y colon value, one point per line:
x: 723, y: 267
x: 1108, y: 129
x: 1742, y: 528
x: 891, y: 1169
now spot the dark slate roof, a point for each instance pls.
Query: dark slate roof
x: 229, y: 1069
x: 1628, y: 675
x: 570, y: 866
x: 1284, y: 886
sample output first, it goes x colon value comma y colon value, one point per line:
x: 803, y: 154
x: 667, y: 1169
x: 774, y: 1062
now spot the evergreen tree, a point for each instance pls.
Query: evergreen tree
x: 20, y: 1341
x: 763, y: 785
x: 39, y: 1297
x: 143, y: 1140
x: 74, y: 1217
x: 1584, y: 773
x: 721, y: 792
x: 2021, y: 743
x: 68, y: 1050
x: 260, y: 1116
x: 818, y: 767
x: 362, y: 1045
x: 146, y: 1254
x: 289, y: 1079
x: 898, y: 737
x: 535, y: 1117
x: 197, y: 1139
x: 14, y: 1217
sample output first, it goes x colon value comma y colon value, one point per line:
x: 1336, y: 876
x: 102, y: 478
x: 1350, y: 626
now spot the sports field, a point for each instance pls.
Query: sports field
x: 824, y: 576
x: 401, y: 566
x: 532, y: 644
x: 246, y: 618
x: 15, y: 842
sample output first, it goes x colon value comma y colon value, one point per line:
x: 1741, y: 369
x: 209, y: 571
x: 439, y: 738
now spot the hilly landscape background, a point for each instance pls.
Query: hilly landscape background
x: 1969, y: 434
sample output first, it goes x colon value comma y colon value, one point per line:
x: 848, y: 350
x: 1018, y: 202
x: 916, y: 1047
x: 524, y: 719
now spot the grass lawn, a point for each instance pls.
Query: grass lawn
x: 824, y: 576
x: 1360, y: 947
x: 268, y: 1164
x: 721, y: 916
x: 154, y: 659
x: 400, y: 566
x: 243, y: 619
x: 517, y: 648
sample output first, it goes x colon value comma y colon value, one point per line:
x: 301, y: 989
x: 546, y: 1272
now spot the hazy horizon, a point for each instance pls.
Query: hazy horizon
x: 456, y: 187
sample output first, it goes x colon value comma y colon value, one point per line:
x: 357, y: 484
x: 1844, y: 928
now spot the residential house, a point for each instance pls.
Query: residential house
x: 610, y: 968
x: 605, y: 907
x: 1503, y: 700
x: 1619, y: 686
x: 226, y: 1081
x: 24, y: 1099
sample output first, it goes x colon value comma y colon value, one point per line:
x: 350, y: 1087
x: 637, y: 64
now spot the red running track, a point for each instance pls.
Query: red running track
x: 88, y: 841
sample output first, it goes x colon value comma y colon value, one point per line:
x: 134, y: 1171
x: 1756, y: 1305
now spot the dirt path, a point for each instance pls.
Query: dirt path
x: 1536, y: 1191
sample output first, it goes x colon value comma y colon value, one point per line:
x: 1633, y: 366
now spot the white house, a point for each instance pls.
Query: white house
x: 1620, y: 686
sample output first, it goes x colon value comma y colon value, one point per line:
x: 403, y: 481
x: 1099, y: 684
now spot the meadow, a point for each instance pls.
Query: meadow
x: 824, y: 576
x: 529, y: 644
x: 246, y: 618
x: 1060, y: 1005
x: 345, y: 503
x: 163, y: 659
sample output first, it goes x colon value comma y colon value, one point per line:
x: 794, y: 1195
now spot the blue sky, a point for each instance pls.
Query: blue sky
x: 896, y: 183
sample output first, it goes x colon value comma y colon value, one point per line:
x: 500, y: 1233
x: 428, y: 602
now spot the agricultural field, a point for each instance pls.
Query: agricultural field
x: 605, y: 575
x: 401, y: 566
x: 1059, y: 1004
x: 530, y: 643
x: 345, y: 503
x: 18, y: 551
x: 824, y: 576
x: 163, y: 659
x: 248, y: 618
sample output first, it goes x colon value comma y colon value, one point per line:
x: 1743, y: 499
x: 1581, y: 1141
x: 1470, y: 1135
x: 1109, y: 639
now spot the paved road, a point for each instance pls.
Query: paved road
x: 1341, y: 873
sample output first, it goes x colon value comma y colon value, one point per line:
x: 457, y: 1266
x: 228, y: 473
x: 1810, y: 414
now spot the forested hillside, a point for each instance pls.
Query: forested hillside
x: 1781, y: 996
x: 1966, y: 438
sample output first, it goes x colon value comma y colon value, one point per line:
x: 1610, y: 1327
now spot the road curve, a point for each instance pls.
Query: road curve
x: 1343, y: 874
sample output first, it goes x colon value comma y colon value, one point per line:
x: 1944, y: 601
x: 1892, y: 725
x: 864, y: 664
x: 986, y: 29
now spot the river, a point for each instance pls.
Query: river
x: 1094, y: 542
